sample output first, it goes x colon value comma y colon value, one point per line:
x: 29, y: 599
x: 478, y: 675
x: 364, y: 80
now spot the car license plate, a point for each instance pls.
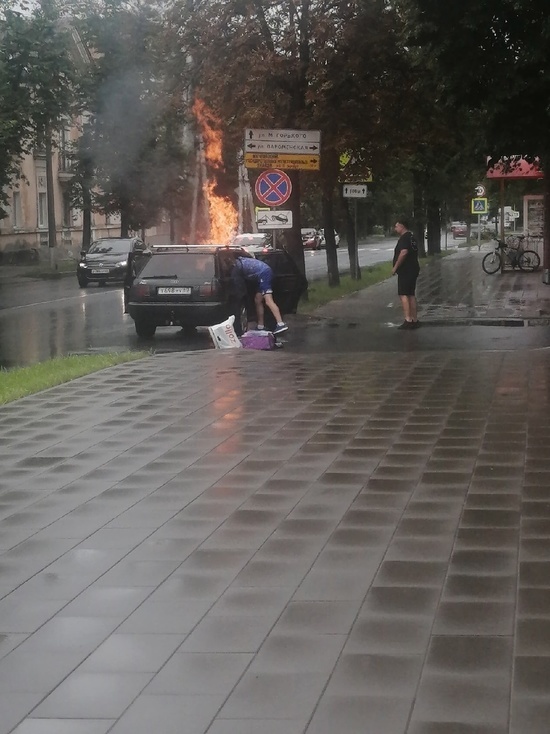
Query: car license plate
x: 100, y: 271
x: 174, y: 291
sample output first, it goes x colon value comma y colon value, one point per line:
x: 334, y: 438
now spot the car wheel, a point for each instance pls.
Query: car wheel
x: 241, y: 319
x: 145, y: 330
x: 82, y: 282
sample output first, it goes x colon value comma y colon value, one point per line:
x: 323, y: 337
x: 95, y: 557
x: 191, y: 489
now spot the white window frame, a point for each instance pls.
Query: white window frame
x: 42, y: 213
x: 16, y: 210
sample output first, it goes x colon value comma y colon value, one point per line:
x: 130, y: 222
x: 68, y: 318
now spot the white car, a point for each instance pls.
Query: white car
x: 323, y: 240
x: 253, y: 242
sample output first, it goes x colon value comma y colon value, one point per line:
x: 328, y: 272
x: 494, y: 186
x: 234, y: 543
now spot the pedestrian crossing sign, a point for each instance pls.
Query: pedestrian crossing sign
x: 479, y: 205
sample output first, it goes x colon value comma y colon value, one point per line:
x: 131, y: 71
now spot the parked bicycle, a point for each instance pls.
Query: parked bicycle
x: 505, y: 254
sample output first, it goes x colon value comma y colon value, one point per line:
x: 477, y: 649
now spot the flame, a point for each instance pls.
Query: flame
x: 223, y: 217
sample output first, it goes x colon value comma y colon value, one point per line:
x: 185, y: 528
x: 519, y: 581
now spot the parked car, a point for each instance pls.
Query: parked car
x: 253, y: 242
x: 459, y: 229
x: 193, y: 285
x: 311, y: 239
x: 322, y: 240
x: 107, y: 260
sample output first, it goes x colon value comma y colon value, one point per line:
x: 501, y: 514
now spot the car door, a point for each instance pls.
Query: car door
x: 137, y: 257
x: 235, y: 288
x: 288, y: 283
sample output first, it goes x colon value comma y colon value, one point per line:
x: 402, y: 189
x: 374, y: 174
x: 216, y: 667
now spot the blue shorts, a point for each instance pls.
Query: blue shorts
x: 265, y: 284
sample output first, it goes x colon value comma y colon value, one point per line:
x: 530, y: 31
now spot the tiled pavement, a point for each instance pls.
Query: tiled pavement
x: 275, y: 543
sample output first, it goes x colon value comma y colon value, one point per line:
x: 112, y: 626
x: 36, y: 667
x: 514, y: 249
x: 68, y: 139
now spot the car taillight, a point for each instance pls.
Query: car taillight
x: 142, y: 290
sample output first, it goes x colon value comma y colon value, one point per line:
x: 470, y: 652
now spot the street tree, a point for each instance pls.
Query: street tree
x: 314, y: 64
x: 37, y: 84
x: 130, y: 159
x: 492, y: 61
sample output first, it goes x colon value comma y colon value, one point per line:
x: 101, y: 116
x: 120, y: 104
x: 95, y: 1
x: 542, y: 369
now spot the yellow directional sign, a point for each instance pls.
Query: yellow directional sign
x: 282, y: 161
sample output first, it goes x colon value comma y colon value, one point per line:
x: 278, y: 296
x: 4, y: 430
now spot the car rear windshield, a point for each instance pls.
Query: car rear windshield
x: 249, y: 239
x: 111, y: 247
x: 190, y: 266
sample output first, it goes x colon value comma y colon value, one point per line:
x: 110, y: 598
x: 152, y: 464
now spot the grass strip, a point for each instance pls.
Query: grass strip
x: 22, y: 381
x: 320, y: 293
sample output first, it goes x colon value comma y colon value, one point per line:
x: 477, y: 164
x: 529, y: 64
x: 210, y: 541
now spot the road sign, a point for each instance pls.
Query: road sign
x: 285, y: 161
x: 480, y: 190
x: 301, y: 136
x: 513, y: 214
x: 273, y: 187
x: 479, y: 206
x: 275, y: 219
x: 355, y: 191
x: 281, y: 146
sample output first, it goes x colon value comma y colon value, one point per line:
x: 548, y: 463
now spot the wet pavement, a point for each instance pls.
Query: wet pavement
x: 333, y: 538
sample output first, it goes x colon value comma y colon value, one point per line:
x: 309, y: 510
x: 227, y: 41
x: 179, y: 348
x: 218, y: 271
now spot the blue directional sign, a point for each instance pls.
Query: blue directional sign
x: 479, y: 205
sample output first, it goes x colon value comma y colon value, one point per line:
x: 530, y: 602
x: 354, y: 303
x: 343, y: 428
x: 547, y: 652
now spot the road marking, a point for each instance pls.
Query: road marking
x: 45, y: 303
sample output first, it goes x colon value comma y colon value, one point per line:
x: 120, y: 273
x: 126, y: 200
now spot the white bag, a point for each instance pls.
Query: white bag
x: 224, y: 335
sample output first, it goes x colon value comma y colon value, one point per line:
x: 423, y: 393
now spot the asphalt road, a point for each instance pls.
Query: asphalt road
x: 42, y: 319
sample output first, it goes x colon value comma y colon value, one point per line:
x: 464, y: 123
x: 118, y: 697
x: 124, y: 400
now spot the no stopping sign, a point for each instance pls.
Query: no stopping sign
x: 273, y: 187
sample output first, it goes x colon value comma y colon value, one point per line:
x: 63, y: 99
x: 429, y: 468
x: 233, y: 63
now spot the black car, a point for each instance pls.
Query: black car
x: 195, y: 285
x: 107, y: 260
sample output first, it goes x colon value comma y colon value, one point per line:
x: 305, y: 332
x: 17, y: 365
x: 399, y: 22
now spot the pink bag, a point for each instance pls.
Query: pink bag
x: 255, y: 339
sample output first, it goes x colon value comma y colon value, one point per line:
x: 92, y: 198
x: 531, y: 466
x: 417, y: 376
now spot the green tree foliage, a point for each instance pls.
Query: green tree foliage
x: 492, y: 61
x: 314, y: 64
x: 131, y: 158
x: 37, y: 82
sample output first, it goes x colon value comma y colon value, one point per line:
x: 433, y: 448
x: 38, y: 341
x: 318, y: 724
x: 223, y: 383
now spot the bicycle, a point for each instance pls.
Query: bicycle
x: 526, y: 260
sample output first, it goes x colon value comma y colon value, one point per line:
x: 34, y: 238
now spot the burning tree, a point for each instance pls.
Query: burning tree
x: 294, y: 65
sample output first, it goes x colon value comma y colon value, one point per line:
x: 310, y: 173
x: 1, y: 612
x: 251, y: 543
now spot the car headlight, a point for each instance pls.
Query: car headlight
x: 81, y: 265
x: 122, y: 264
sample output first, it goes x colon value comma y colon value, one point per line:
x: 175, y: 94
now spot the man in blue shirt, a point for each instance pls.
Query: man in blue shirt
x: 261, y: 276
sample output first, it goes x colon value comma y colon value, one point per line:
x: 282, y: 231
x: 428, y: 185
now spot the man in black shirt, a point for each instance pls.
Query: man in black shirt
x: 405, y: 265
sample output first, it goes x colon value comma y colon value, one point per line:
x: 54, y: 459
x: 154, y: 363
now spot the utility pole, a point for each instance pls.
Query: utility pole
x: 50, y: 197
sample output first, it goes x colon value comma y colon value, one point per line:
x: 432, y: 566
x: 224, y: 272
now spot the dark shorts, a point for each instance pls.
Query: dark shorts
x: 265, y: 283
x: 406, y: 284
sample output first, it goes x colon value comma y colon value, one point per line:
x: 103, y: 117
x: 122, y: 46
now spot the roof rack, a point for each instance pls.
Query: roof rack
x: 184, y: 247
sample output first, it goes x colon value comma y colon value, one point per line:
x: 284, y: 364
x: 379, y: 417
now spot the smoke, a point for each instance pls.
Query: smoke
x: 124, y: 124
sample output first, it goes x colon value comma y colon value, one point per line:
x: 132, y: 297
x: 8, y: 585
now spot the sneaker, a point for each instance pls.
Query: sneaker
x: 406, y: 325
x: 416, y: 325
x: 260, y: 328
x: 280, y: 328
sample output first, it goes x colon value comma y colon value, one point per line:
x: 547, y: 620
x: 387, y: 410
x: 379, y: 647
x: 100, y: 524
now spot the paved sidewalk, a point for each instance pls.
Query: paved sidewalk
x: 293, y: 542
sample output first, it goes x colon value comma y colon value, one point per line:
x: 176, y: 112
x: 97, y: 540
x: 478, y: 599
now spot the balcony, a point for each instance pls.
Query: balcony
x: 65, y: 171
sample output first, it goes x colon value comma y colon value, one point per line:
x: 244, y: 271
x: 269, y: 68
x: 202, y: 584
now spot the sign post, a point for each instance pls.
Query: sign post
x: 355, y: 192
x: 479, y: 207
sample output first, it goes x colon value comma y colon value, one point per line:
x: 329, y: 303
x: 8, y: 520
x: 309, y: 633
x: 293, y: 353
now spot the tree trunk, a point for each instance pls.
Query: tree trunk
x: 330, y: 243
x: 86, y: 228
x: 351, y: 235
x: 172, y: 220
x: 50, y: 196
x: 434, y: 227
x: 352, y: 239
x: 294, y: 244
x: 86, y: 217
x: 419, y: 222
x: 124, y: 220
